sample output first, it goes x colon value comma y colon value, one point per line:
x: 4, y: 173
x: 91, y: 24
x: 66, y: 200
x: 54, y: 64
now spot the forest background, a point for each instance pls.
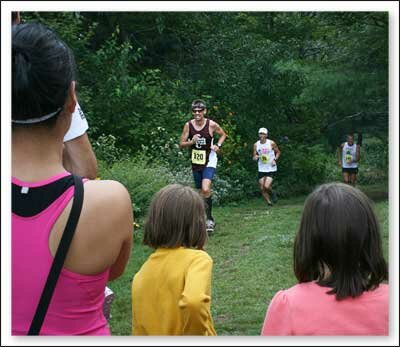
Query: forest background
x: 309, y: 77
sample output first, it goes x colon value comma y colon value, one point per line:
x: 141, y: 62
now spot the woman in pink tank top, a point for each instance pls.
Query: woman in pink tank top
x: 43, y: 100
x: 341, y: 271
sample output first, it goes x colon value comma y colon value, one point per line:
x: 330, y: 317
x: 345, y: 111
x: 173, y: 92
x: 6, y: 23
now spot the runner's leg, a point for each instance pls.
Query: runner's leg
x: 353, y: 179
x: 346, y: 178
x: 268, y: 188
x: 206, y: 193
x: 261, y: 185
x: 264, y: 192
x: 197, y: 177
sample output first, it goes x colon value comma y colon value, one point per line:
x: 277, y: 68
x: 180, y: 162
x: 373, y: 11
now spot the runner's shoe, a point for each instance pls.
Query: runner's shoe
x: 210, y: 225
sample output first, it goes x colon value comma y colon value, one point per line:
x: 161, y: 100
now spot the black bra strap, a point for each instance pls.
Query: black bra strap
x: 59, y: 258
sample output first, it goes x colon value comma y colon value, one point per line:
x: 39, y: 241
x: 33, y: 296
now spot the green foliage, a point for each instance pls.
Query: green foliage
x: 143, y: 176
x: 141, y: 179
x: 239, y: 185
x: 128, y: 103
x: 164, y: 147
x: 300, y: 74
x: 233, y: 147
x: 374, y: 162
x: 71, y: 27
x: 106, y: 150
x: 301, y: 168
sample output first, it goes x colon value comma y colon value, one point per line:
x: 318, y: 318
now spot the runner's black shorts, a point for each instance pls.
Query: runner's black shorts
x: 350, y: 170
x: 266, y: 174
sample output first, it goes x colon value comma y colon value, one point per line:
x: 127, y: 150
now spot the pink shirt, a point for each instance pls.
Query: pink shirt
x: 76, y: 305
x: 306, y: 309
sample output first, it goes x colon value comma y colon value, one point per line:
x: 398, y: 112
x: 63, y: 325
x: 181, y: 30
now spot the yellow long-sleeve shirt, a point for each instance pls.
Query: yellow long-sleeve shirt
x: 171, y: 294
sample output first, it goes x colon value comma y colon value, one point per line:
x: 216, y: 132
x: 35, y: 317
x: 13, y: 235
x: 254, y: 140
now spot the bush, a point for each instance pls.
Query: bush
x: 143, y: 176
x: 374, y: 162
x: 333, y: 172
x: 141, y: 179
x: 302, y: 168
x: 106, y: 150
x: 164, y: 148
x: 234, y: 182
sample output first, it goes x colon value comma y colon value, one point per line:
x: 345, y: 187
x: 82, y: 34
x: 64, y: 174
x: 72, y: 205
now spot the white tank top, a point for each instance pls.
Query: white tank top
x: 266, y: 156
x: 79, y: 124
x: 349, y: 156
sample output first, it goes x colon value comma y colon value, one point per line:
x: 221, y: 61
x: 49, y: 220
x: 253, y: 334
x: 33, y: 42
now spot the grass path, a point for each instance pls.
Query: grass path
x: 252, y: 253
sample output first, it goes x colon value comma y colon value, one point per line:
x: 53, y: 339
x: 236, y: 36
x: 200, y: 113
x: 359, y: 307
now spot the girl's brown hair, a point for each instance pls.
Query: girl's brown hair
x: 176, y: 218
x: 338, y: 243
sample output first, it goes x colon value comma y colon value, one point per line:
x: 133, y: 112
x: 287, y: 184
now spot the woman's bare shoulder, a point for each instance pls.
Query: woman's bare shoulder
x: 105, y: 223
x: 106, y: 189
x: 107, y: 196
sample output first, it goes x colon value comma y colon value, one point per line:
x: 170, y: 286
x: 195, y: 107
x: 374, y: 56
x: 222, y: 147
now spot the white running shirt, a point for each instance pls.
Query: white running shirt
x: 349, y: 156
x: 266, y: 156
x: 212, y: 159
x: 78, y: 126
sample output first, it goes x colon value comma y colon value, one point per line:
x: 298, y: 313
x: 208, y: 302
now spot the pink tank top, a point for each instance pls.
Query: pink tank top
x: 76, y: 305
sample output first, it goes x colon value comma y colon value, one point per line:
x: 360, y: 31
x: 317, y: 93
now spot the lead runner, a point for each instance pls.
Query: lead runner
x: 198, y: 134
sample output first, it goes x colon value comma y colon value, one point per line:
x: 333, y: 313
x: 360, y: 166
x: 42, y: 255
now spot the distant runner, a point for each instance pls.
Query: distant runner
x: 198, y: 135
x: 266, y: 153
x: 348, y: 158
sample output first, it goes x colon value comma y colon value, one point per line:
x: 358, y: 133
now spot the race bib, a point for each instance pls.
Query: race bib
x: 264, y: 159
x: 198, y: 156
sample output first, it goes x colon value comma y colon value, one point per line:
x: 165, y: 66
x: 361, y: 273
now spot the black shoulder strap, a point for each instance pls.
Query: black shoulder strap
x: 59, y: 258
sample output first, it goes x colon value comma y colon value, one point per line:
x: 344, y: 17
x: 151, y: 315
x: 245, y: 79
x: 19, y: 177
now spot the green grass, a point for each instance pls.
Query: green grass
x: 252, y: 253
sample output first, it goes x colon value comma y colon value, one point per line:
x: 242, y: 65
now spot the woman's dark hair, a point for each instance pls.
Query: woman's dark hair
x: 338, y: 243
x: 176, y: 218
x: 43, y: 68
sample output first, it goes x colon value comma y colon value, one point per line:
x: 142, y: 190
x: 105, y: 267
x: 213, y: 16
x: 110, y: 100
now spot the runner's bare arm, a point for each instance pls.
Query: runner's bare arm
x: 255, y: 155
x: 358, y: 150
x: 184, y: 137
x: 79, y: 158
x: 222, y: 135
x: 276, y: 150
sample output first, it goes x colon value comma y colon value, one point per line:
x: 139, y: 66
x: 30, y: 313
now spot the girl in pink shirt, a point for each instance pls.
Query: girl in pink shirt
x: 339, y: 264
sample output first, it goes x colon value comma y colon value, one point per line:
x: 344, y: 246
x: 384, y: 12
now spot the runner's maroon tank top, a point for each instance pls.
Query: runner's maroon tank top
x: 200, y: 151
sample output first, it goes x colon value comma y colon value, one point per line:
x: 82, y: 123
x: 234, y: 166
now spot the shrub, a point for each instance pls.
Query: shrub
x: 374, y: 162
x: 234, y: 182
x: 106, y: 150
x: 141, y: 179
x: 164, y: 148
x: 301, y: 168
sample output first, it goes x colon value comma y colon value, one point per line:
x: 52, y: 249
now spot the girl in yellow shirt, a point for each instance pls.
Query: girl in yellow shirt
x: 171, y: 293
